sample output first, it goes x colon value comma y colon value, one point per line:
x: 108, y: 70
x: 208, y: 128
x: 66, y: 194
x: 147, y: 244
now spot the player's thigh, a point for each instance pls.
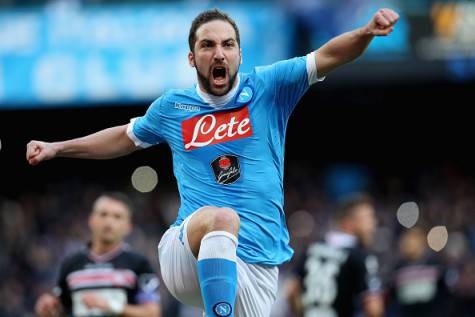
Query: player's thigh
x: 257, y: 289
x: 178, y: 266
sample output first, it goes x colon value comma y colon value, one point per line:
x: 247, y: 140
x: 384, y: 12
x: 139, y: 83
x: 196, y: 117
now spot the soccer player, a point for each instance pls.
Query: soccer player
x: 337, y: 276
x: 419, y: 283
x: 227, y: 138
x: 105, y: 278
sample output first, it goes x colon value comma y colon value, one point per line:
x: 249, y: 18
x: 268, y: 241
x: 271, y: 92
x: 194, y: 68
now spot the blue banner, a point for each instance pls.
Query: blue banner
x: 66, y: 55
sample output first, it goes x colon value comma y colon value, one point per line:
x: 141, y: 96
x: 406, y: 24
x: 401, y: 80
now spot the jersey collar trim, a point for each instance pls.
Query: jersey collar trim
x: 340, y: 239
x: 108, y: 256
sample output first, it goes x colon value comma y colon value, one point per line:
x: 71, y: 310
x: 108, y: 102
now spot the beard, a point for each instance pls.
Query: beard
x: 108, y: 239
x: 206, y: 84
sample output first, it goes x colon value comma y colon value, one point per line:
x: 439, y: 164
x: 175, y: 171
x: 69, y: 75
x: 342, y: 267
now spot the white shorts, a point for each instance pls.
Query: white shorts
x: 257, y: 284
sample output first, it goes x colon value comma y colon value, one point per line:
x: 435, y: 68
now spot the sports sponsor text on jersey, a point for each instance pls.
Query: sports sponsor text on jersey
x: 216, y: 128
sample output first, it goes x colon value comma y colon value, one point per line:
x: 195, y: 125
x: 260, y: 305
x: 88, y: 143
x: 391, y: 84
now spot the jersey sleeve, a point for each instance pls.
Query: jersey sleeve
x: 290, y: 79
x: 147, y: 284
x: 145, y: 131
x: 367, y: 278
x: 299, y: 268
x: 62, y: 290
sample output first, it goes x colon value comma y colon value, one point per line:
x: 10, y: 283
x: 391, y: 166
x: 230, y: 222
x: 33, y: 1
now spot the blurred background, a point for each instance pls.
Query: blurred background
x: 396, y: 124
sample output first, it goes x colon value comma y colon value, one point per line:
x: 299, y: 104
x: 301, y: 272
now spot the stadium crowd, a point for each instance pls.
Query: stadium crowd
x: 39, y: 228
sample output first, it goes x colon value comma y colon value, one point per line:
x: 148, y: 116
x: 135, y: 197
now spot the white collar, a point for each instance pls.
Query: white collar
x: 340, y: 239
x: 218, y: 101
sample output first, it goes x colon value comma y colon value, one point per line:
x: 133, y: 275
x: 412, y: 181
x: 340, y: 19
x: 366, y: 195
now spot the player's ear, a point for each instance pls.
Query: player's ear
x: 191, y: 59
x: 130, y: 227
x: 240, y: 55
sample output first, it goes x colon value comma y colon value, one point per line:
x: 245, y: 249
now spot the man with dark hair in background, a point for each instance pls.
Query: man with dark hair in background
x: 418, y: 285
x: 105, y: 278
x: 227, y: 137
x: 337, y: 277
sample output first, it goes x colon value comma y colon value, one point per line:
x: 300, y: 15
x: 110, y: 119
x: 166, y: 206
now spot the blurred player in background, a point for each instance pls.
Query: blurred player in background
x: 227, y: 137
x: 419, y: 280
x: 105, y: 278
x: 337, y: 277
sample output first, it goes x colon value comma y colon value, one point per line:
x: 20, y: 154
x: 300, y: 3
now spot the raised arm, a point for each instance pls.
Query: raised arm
x: 348, y: 46
x: 105, y: 144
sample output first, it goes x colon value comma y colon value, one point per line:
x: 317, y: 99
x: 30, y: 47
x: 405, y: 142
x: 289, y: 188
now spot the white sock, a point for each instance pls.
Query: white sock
x: 218, y: 245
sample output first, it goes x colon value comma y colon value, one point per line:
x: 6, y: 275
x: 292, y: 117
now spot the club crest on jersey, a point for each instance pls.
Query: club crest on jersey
x: 226, y: 169
x: 245, y: 95
x: 218, y: 127
x: 222, y: 309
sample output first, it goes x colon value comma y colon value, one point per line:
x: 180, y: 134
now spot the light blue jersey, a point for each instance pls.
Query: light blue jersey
x: 229, y: 151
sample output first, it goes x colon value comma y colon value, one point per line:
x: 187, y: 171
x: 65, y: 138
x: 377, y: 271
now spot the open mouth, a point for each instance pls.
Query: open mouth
x: 219, y: 75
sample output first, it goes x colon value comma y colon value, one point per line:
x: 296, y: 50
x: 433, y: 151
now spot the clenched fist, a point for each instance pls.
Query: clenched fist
x: 47, y: 306
x: 37, y: 151
x: 382, y: 23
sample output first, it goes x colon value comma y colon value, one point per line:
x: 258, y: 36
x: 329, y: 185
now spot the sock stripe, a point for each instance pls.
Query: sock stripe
x: 220, y: 233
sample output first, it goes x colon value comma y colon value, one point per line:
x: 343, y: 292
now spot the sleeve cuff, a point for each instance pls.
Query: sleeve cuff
x: 133, y: 137
x: 312, y: 74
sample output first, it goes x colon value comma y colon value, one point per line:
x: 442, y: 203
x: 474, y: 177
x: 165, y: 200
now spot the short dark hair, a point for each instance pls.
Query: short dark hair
x: 348, y: 205
x: 119, y: 196
x: 208, y: 16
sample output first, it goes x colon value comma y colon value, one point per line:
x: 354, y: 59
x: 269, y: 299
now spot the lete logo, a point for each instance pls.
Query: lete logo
x: 216, y: 128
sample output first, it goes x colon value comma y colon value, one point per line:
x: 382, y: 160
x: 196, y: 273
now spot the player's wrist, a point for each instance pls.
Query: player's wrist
x: 366, y: 31
x: 57, y: 148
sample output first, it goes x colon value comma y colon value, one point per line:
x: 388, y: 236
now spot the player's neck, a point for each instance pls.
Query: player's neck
x: 99, y: 248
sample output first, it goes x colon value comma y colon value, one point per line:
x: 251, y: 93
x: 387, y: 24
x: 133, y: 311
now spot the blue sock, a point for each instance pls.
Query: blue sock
x: 217, y: 273
x: 218, y: 282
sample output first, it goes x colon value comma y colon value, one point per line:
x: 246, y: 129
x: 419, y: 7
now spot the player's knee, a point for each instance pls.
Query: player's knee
x: 225, y: 219
x: 229, y: 215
